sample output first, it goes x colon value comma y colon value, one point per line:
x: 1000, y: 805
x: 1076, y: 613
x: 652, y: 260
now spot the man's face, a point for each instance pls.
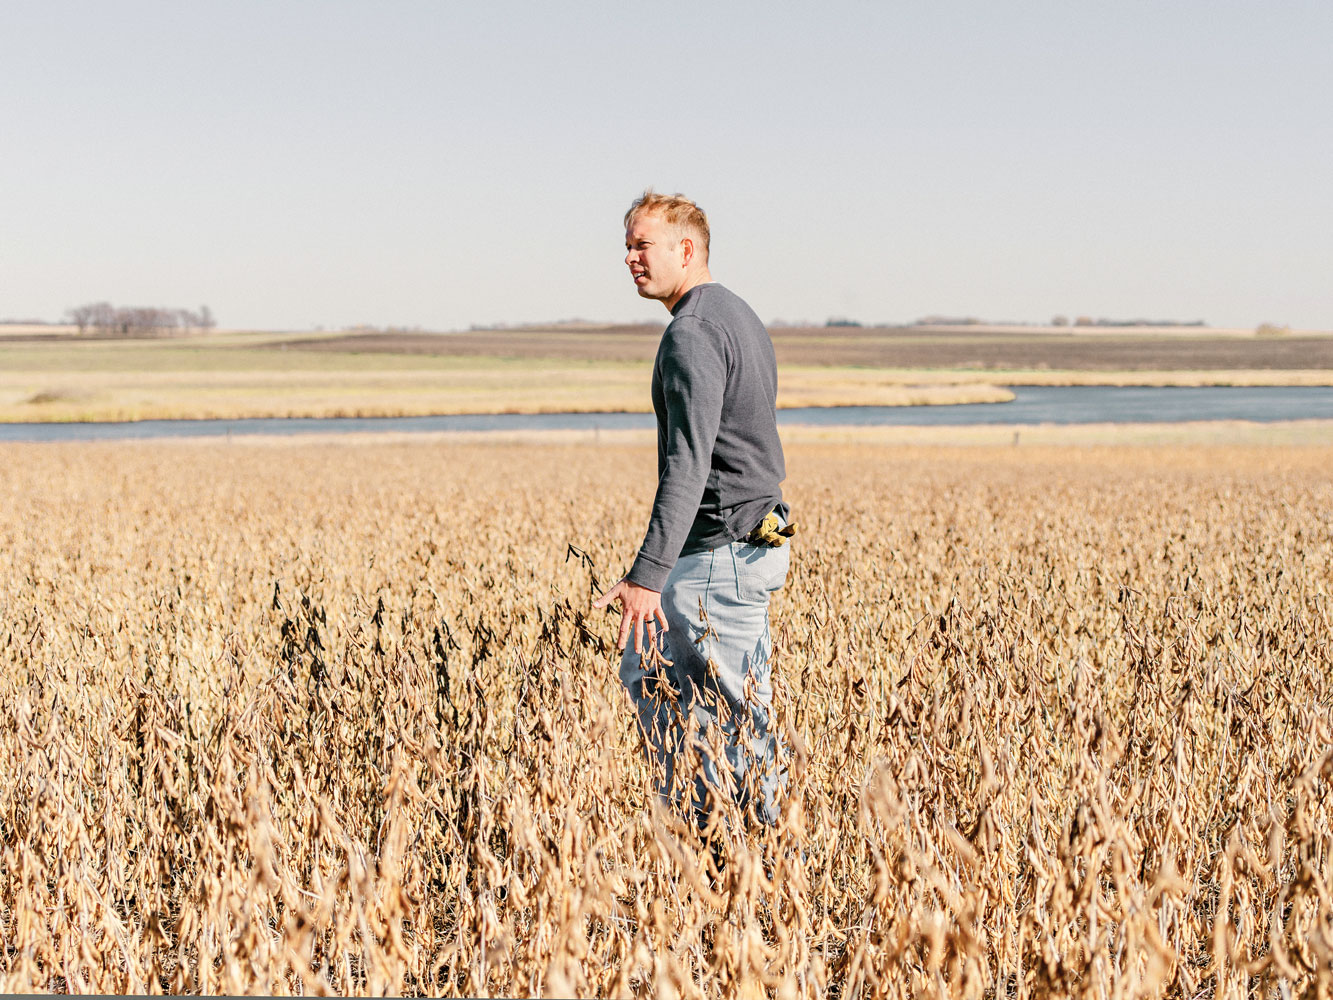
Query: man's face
x: 655, y: 257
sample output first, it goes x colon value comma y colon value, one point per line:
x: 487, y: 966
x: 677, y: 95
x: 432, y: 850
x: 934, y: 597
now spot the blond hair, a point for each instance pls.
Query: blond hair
x: 677, y: 211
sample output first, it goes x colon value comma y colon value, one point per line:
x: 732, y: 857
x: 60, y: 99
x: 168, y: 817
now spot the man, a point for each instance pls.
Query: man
x: 713, y: 551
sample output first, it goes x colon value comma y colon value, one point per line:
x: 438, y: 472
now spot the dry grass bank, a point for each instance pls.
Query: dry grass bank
x: 477, y: 387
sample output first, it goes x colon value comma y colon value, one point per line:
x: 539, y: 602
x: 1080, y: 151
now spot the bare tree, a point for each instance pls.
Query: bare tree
x: 81, y: 316
x: 104, y: 317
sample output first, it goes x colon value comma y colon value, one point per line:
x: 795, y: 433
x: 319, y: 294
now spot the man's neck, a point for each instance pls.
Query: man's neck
x: 701, y: 278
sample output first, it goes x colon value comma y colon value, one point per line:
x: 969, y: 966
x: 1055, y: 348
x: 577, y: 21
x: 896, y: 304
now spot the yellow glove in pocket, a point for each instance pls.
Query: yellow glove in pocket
x: 771, y: 532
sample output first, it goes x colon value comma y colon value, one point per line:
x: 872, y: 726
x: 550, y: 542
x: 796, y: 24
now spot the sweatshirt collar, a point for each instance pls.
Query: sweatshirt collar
x: 689, y: 295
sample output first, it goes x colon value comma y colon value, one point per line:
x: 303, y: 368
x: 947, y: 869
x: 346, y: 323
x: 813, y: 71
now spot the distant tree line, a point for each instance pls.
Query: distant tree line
x: 1089, y: 321
x: 139, y: 321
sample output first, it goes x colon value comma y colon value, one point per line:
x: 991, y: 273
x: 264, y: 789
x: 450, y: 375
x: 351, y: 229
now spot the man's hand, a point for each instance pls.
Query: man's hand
x: 640, y: 609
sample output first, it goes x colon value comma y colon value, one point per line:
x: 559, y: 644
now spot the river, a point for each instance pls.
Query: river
x: 1031, y: 405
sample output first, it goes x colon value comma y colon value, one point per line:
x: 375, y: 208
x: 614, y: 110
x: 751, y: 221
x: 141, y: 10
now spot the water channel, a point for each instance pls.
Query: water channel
x: 1031, y: 405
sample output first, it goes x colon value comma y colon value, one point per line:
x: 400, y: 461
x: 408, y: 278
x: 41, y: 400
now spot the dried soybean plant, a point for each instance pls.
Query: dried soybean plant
x: 336, y: 718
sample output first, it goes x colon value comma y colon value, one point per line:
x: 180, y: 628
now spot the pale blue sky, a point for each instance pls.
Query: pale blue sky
x: 442, y: 164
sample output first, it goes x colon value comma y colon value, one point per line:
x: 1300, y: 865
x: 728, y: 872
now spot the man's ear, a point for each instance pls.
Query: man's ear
x: 686, y: 250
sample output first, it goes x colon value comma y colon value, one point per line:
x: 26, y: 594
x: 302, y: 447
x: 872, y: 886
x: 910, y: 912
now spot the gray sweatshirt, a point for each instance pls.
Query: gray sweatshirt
x: 719, y: 460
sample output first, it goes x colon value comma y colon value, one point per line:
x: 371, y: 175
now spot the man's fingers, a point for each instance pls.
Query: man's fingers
x: 644, y: 628
x: 640, y: 623
x: 660, y: 615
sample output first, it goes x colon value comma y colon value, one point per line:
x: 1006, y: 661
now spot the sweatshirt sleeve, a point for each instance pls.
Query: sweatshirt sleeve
x: 693, y: 372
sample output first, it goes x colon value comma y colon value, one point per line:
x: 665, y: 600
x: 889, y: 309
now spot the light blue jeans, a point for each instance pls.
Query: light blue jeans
x: 713, y: 700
